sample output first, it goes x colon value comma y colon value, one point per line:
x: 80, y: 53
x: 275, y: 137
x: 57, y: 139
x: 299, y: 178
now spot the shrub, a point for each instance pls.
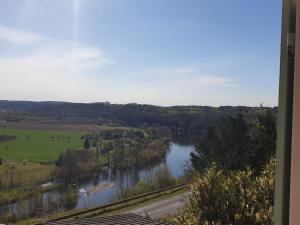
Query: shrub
x: 161, y: 178
x: 238, y: 198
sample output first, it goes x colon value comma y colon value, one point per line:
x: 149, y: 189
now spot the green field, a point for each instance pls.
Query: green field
x: 38, y: 145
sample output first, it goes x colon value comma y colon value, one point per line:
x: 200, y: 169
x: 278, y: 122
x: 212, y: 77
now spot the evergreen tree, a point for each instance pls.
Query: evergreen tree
x: 231, y: 148
x: 207, y: 149
x: 265, y: 138
x: 237, y: 143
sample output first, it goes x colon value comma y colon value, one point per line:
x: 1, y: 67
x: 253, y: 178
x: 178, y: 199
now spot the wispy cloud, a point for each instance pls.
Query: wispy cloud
x: 178, y: 85
x: 191, y: 76
x: 50, y: 69
x: 63, y: 70
x: 18, y: 37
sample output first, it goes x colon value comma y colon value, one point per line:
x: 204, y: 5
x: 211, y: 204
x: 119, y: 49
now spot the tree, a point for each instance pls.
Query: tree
x: 208, y: 149
x: 118, y: 158
x: 265, y: 138
x: 231, y: 148
x: 139, y: 134
x: 98, y: 145
x: 86, y: 143
x: 237, y: 143
x: 67, y: 166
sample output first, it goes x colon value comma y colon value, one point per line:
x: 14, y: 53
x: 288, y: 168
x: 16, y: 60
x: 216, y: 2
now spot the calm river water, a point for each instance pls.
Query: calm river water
x: 176, y: 158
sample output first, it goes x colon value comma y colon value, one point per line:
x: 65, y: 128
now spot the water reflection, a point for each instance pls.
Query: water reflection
x: 175, y: 160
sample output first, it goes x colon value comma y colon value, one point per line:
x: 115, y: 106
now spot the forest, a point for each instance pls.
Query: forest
x: 191, y: 120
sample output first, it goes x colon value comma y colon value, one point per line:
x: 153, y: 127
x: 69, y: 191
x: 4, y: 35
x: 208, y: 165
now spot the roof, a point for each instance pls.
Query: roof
x: 123, y: 219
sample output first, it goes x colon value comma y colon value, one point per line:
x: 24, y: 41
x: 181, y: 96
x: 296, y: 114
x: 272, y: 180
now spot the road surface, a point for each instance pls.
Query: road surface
x: 164, y: 207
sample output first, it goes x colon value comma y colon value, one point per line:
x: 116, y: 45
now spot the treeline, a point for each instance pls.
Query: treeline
x: 179, y: 119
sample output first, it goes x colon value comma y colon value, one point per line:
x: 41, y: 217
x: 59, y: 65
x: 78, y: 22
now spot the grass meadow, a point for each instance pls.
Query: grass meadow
x: 38, y: 145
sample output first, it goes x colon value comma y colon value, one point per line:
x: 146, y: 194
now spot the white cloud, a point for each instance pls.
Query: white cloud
x: 51, y: 69
x: 18, y: 37
x: 51, y: 74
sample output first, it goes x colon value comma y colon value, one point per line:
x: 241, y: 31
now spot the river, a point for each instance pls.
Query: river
x: 102, y: 189
x: 176, y: 158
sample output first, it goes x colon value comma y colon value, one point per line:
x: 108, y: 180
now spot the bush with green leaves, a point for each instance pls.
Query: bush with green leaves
x: 230, y: 198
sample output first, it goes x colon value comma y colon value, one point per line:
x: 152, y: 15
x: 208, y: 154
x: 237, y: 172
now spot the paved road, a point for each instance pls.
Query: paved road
x: 164, y: 207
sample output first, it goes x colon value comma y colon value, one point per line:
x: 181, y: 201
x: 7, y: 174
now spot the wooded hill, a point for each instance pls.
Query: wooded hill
x: 179, y: 119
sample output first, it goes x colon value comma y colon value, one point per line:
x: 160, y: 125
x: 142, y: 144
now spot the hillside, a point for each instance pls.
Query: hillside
x: 179, y: 119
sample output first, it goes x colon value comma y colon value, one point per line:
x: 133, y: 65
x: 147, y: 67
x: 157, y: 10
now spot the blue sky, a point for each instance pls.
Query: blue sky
x: 162, y: 52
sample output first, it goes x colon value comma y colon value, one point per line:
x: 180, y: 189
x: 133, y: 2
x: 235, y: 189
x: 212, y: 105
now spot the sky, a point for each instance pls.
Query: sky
x: 160, y: 52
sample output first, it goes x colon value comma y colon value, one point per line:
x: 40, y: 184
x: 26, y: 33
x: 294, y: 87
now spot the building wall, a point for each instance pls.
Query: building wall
x: 295, y: 157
